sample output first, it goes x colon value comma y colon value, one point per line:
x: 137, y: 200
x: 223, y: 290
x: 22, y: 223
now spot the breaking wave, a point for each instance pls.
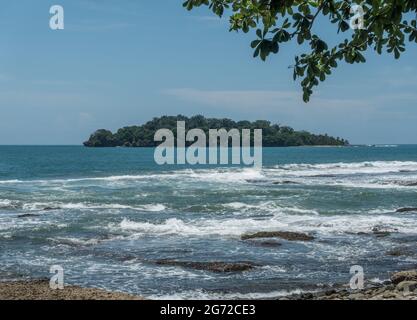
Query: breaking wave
x: 341, y: 168
x: 236, y: 227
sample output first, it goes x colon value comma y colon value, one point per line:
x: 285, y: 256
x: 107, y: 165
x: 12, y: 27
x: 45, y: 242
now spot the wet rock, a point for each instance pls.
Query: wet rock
x: 51, y: 208
x: 360, y: 233
x: 28, y: 215
x: 404, y: 183
x: 256, y: 181
x: 398, y: 252
x: 324, y: 176
x: 285, y: 182
x: 356, y: 296
x: 266, y: 243
x: 330, y: 292
x: 390, y: 295
x: 407, y: 286
x: 410, y: 184
x: 380, y: 233
x: 307, y: 296
x: 410, y: 275
x: 290, y: 236
x: 219, y: 267
x: 402, y: 210
x: 404, y: 290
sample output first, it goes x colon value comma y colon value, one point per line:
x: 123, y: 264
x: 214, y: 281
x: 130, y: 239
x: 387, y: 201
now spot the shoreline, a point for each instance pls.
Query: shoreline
x: 40, y: 290
x: 402, y: 286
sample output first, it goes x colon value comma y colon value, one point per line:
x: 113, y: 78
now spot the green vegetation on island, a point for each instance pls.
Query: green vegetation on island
x: 273, y: 135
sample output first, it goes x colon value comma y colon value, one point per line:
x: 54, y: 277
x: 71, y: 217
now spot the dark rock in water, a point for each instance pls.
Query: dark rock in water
x: 51, y: 208
x: 28, y: 215
x: 210, y: 266
x: 307, y: 296
x: 324, y: 176
x: 330, y: 292
x: 402, y: 287
x: 255, y: 181
x: 401, y: 210
x: 398, y: 252
x: 290, y: 236
x: 402, y: 183
x: 361, y: 233
x: 266, y: 243
x: 410, y: 275
x: 378, y: 232
x: 410, y: 184
x: 285, y: 182
x: 382, y: 234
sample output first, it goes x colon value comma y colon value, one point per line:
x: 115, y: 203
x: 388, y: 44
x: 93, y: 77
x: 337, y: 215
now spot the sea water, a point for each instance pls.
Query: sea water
x: 107, y: 215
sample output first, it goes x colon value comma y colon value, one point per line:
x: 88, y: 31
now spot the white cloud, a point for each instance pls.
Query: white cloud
x: 262, y: 99
x: 234, y: 98
x: 398, y: 77
x: 99, y: 26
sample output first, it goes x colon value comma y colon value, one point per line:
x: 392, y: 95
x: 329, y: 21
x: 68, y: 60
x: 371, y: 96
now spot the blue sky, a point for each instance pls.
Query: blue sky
x: 123, y: 62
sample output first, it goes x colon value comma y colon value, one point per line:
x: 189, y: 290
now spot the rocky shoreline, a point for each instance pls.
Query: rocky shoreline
x: 40, y: 290
x: 402, y: 286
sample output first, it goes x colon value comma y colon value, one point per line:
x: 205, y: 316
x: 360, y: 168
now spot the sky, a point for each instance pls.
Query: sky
x: 123, y: 62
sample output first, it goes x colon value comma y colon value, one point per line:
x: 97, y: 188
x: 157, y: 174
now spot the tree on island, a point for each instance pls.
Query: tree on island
x: 273, y: 135
x: 387, y: 25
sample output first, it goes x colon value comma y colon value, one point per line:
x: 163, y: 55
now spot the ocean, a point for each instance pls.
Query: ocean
x: 108, y: 215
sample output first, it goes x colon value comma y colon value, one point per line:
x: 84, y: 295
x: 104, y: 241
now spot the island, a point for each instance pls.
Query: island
x: 273, y: 135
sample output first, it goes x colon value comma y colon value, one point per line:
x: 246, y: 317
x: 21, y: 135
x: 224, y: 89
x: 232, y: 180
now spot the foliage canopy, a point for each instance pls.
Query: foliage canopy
x: 388, y: 24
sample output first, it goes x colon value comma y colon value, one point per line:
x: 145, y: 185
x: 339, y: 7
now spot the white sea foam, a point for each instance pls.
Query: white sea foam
x: 75, y: 241
x: 227, y: 175
x: 236, y: 227
x: 342, y: 168
x: 331, y: 171
x: 5, y: 203
x: 153, y: 207
x: 10, y: 181
x: 216, y: 175
x: 205, y: 295
x: 36, y: 206
x: 267, y: 206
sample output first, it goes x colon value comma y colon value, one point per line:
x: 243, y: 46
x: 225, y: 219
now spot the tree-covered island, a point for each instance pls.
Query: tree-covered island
x: 273, y: 135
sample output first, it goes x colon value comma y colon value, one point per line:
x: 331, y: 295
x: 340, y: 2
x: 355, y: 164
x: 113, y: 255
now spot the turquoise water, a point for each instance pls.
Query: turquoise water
x: 106, y: 216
